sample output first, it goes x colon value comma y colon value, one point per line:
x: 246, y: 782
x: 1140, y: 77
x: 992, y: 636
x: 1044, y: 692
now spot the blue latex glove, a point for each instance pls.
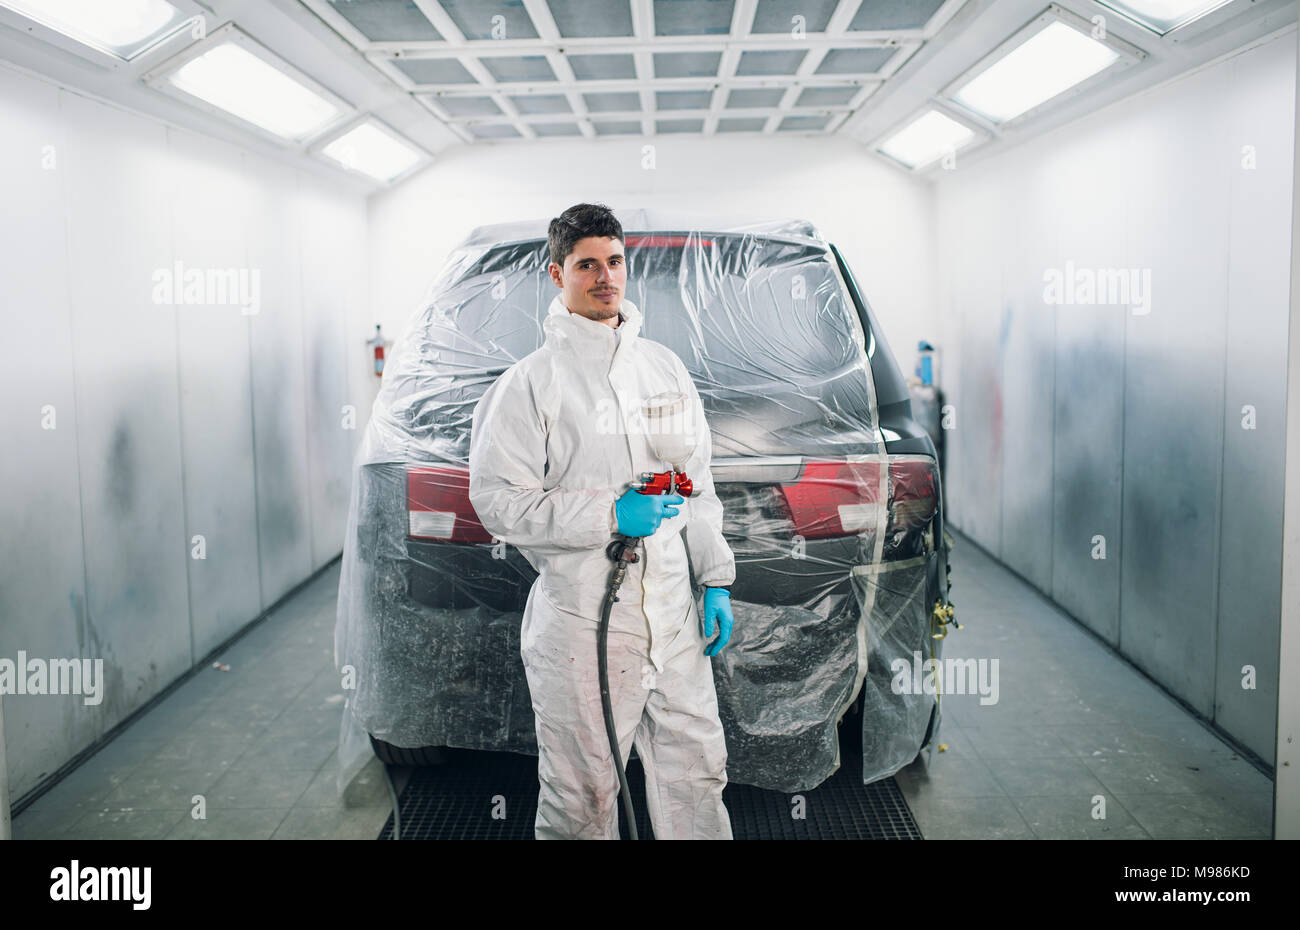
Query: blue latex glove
x: 717, y: 607
x: 640, y: 514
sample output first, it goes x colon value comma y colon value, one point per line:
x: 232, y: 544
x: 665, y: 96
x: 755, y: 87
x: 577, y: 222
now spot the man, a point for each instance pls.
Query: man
x: 555, y: 449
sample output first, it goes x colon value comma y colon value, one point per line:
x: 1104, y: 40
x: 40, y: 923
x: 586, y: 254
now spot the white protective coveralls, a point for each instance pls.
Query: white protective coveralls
x: 555, y: 442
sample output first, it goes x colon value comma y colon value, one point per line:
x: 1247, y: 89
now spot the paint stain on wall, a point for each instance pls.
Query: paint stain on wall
x: 120, y: 470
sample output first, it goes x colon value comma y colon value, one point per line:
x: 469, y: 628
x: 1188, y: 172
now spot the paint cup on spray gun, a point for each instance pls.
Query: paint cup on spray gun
x: 673, y: 440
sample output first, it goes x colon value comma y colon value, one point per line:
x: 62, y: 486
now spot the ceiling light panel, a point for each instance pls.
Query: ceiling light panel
x: 231, y: 74
x: 926, y: 139
x: 1164, y: 16
x: 242, y: 84
x: 373, y: 150
x: 121, y: 28
x: 1048, y: 62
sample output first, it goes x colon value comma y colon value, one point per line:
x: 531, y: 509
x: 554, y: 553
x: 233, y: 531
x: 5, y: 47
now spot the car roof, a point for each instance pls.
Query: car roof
x: 646, y: 222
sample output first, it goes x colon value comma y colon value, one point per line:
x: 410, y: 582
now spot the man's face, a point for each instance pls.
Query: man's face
x: 593, y: 278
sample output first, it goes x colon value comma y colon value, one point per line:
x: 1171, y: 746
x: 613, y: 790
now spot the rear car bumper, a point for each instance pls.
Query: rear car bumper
x: 811, y: 637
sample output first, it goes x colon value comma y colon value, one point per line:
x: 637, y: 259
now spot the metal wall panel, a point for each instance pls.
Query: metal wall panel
x: 1148, y: 448
x: 331, y: 250
x: 105, y: 203
x: 1173, y: 393
x: 1262, y: 86
x: 977, y: 432
x: 210, y: 204
x: 279, y: 401
x: 42, y: 577
x: 128, y: 425
x: 1089, y: 348
x: 1028, y: 379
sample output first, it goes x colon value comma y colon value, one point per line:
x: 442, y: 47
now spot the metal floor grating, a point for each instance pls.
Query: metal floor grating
x: 456, y: 801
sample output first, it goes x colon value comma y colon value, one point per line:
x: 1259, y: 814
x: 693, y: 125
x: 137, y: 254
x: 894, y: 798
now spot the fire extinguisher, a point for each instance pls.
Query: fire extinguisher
x: 377, y: 349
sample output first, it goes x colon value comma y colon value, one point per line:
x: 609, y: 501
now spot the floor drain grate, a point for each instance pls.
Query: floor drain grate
x: 456, y: 801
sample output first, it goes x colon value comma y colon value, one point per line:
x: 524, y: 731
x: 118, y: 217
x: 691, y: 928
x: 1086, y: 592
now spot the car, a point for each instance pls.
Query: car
x: 830, y: 489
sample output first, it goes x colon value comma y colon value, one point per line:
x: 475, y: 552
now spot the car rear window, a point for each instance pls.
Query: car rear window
x: 763, y: 325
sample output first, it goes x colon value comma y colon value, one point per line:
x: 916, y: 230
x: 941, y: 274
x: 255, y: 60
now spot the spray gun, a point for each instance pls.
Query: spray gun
x: 672, y: 442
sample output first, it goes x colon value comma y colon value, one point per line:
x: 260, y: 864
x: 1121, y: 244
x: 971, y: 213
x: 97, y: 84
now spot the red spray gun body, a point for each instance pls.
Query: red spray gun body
x: 623, y: 548
x: 665, y: 482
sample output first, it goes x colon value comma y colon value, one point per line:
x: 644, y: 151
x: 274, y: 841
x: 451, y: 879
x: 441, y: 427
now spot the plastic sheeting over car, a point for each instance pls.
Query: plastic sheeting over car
x: 834, y: 542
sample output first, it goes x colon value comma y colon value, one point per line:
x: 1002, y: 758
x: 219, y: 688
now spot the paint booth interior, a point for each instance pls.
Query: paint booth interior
x: 1072, y: 223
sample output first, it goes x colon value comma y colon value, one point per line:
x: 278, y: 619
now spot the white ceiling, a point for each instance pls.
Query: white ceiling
x: 590, y: 69
x: 506, y: 70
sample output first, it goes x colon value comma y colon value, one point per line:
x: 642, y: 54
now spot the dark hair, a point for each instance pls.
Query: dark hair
x: 578, y: 222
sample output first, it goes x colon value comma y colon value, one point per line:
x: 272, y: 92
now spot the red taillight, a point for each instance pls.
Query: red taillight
x: 914, y: 496
x: 842, y: 498
x: 834, y: 498
x: 437, y: 500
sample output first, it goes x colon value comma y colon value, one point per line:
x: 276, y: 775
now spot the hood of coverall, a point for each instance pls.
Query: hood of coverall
x: 566, y: 329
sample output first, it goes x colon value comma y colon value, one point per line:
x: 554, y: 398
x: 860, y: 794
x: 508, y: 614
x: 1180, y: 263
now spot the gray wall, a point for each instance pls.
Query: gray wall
x: 171, y: 421
x: 1081, y: 420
